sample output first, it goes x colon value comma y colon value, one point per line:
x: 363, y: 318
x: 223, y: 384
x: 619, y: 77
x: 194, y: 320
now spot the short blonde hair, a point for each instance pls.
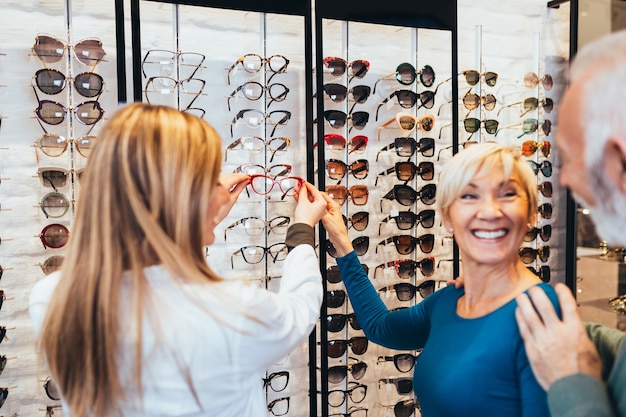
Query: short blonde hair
x: 485, y: 157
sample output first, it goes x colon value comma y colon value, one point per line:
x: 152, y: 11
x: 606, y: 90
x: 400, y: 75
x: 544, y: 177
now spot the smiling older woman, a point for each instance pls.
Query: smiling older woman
x: 472, y: 349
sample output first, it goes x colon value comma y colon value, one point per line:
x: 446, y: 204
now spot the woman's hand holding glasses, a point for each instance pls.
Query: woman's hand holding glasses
x: 234, y: 184
x: 336, y: 228
x: 311, y: 204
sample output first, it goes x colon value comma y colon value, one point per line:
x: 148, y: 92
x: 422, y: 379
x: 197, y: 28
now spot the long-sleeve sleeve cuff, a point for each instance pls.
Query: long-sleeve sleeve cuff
x: 299, y: 234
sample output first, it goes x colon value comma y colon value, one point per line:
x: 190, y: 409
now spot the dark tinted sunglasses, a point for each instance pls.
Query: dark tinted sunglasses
x: 472, y: 125
x: 337, y: 119
x: 545, y: 188
x: 338, y: 373
x: 340, y: 193
x: 406, y: 195
x: 53, y: 113
x: 335, y: 298
x: 338, y: 92
x: 405, y: 244
x: 545, y: 233
x: 404, y: 362
x: 338, y: 66
x: 403, y: 385
x: 406, y: 291
x: 334, y: 276
x: 361, y: 244
x: 406, y: 147
x: 50, y: 49
x: 336, y: 169
x: 337, y: 322
x: 408, y: 99
x: 51, y: 81
x: 406, y: 74
x: 358, y: 221
x: 545, y: 210
x: 529, y: 255
x: 543, y: 273
x: 407, y: 219
x: 337, y: 348
x: 545, y: 167
x: 405, y: 171
x: 405, y: 268
x: 472, y: 77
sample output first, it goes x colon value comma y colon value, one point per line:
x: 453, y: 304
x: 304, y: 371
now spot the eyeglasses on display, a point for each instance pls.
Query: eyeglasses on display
x: 253, y: 254
x: 336, y: 142
x: 52, y: 144
x: 279, y: 406
x: 532, y: 80
x: 255, y: 226
x: 336, y: 169
x: 54, y: 236
x: 405, y: 244
x: 361, y: 244
x: 406, y: 291
x: 51, y: 264
x: 404, y: 362
x: 406, y: 147
x: 407, y: 122
x: 337, y: 322
x: 405, y: 171
x: 176, y: 64
x: 337, y: 348
x: 529, y: 147
x: 54, y: 205
x: 254, y: 118
x: 406, y: 195
x: 338, y: 66
x: 334, y: 276
x: 50, y: 49
x: 162, y: 87
x: 277, y: 381
x: 358, y: 194
x: 405, y: 268
x: 405, y: 220
x: 532, y: 103
x: 406, y: 74
x: 403, y: 385
x: 338, y: 373
x: 530, y: 255
x: 473, y: 77
x: 278, y: 170
x: 339, y: 92
x: 263, y: 185
x: 253, y: 90
x: 545, y: 232
x: 544, y: 166
x: 356, y: 392
x: 472, y: 101
x: 335, y: 298
x: 352, y: 412
x: 251, y: 63
x: 51, y: 81
x: 256, y: 145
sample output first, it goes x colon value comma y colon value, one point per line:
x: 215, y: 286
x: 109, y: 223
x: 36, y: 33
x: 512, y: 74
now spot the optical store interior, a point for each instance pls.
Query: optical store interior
x: 315, y: 90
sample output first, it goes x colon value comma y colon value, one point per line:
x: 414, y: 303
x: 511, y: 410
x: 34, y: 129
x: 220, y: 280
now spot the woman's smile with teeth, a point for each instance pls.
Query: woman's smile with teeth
x: 489, y: 234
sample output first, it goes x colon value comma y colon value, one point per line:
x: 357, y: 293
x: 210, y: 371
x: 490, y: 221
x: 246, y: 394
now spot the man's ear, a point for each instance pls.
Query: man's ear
x: 615, y: 161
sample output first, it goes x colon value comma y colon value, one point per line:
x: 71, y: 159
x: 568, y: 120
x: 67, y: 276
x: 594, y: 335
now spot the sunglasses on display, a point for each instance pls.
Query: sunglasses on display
x: 54, y: 205
x: 545, y: 188
x: 51, y: 264
x: 403, y: 385
x: 358, y: 194
x: 406, y: 74
x: 529, y: 147
x: 405, y: 220
x: 53, y: 177
x: 473, y: 77
x: 53, y: 113
x: 337, y: 322
x: 256, y: 145
x: 545, y: 210
x: 358, y: 221
x: 50, y: 410
x: 51, y: 81
x: 360, y: 244
x: 545, y: 232
x: 253, y: 90
x: 336, y: 169
x: 472, y: 101
x: 356, y: 392
x: 3, y: 362
x: 252, y: 63
x: 532, y: 80
x: 544, y: 166
x: 405, y: 171
x: 404, y: 362
x: 334, y: 276
x: 276, y: 381
x: 406, y: 147
x: 337, y: 348
x: 530, y: 255
x: 162, y: 89
x: 255, y: 226
x: 50, y: 49
x: 338, y: 92
x: 407, y: 123
x: 54, y: 236
x: 530, y: 104
x: 543, y: 272
x: 405, y: 244
x: 472, y: 125
x: 279, y: 406
x: 176, y: 64
x: 54, y: 145
x: 406, y: 268
x: 335, y: 142
x: 406, y: 408
x: 254, y: 118
x: 335, y: 298
x: 338, y: 67
x: 406, y: 291
x: 406, y: 195
x: 337, y: 119
x: 263, y: 185
x: 408, y: 99
x: 338, y: 373
x: 530, y: 126
x: 254, y: 254
x: 52, y: 390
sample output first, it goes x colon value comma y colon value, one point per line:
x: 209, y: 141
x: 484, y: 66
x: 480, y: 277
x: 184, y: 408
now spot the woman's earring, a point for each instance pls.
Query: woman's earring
x: 451, y: 230
x: 529, y: 226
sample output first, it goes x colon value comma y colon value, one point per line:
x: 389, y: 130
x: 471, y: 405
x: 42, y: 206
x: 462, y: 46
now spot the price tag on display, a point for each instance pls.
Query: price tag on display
x: 165, y: 91
x: 254, y: 120
x: 251, y: 251
x: 248, y: 145
x: 394, y: 211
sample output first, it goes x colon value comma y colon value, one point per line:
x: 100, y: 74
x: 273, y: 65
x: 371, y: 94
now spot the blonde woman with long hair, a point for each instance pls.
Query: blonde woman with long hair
x: 136, y: 323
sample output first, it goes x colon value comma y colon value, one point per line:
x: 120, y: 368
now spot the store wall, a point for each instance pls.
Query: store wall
x: 510, y: 38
